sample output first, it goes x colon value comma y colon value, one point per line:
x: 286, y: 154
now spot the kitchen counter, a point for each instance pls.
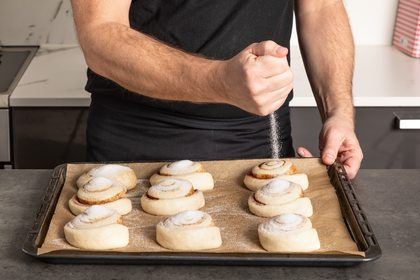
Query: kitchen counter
x: 390, y: 198
x: 383, y: 77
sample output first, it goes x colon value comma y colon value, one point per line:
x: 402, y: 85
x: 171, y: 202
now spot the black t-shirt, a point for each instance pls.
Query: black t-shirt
x: 216, y: 29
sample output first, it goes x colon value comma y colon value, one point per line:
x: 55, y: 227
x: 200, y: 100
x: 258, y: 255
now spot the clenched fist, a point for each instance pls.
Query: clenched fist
x: 258, y: 79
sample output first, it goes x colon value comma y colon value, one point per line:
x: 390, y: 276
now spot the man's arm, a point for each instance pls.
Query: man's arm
x: 257, y: 80
x: 327, y: 48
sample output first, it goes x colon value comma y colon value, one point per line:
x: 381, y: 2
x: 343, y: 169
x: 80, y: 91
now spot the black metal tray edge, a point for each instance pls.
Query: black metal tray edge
x: 360, y: 233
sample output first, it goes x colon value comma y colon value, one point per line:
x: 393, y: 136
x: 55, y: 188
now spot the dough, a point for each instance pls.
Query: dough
x: 187, y: 170
x: 254, y: 184
x: 98, y: 228
x: 118, y: 173
x: 188, y: 231
x: 288, y: 233
x: 122, y: 206
x: 101, y: 191
x: 279, y: 197
x: 171, y: 196
x: 263, y: 173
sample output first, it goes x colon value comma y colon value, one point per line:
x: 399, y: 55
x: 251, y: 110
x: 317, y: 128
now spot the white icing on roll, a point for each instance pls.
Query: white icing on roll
x: 181, y: 167
x: 171, y: 188
x: 98, y: 228
x: 181, y: 164
x: 286, y: 222
x: 188, y: 231
x: 278, y: 191
x: 95, y: 216
x: 100, y: 190
x: 98, y: 184
x: 188, y: 218
x: 120, y: 174
x: 277, y: 186
x: 106, y: 170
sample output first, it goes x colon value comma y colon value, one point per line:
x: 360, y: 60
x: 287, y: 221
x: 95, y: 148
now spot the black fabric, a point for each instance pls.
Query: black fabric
x: 219, y: 29
x: 126, y: 131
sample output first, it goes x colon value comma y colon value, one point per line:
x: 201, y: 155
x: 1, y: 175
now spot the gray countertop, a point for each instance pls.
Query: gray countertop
x: 390, y: 198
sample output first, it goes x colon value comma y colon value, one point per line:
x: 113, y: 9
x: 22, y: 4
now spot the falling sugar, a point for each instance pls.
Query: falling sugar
x: 276, y: 145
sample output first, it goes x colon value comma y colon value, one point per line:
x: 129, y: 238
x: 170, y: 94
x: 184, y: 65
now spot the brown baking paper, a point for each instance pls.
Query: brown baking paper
x: 226, y: 203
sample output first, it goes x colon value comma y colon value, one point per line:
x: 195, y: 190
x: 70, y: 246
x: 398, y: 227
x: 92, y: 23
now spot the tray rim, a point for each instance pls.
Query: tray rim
x: 335, y: 171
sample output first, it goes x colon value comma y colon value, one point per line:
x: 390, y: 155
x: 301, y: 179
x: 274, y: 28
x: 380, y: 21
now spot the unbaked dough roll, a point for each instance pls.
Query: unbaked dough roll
x: 171, y: 196
x: 188, y: 231
x: 118, y: 173
x: 102, y: 191
x: 122, y: 206
x: 288, y: 233
x: 254, y: 184
x: 279, y: 197
x: 98, y: 228
x: 263, y: 173
x: 188, y: 170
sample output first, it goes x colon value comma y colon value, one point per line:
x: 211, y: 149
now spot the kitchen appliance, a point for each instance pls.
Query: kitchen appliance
x: 13, y: 62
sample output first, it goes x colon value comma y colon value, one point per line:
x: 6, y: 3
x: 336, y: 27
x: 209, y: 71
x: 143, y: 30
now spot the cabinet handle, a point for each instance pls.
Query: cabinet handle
x: 409, y: 123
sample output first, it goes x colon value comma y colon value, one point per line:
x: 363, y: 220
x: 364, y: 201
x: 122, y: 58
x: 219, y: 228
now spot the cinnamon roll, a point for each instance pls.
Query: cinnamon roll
x: 288, y: 233
x: 101, y: 191
x: 188, y: 170
x: 98, y: 228
x: 263, y: 173
x: 279, y: 197
x: 118, y: 173
x: 188, y: 231
x: 171, y: 196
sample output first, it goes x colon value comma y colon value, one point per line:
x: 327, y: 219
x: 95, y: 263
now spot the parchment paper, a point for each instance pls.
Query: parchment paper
x: 226, y: 203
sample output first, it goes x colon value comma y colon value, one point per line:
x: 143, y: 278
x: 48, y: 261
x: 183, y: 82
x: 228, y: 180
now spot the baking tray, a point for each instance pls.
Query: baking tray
x: 353, y: 215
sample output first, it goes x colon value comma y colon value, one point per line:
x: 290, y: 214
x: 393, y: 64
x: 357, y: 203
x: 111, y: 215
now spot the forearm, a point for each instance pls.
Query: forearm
x: 328, y: 52
x: 144, y: 65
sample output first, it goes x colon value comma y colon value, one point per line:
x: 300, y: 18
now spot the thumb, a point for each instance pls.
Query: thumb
x: 332, y: 144
x: 269, y: 48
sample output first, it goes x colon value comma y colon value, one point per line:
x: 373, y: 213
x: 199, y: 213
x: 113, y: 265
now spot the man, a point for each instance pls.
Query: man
x: 197, y: 79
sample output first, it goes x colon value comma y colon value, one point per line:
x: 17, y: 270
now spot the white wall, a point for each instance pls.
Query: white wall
x: 50, y: 21
x: 372, y: 21
x: 33, y: 22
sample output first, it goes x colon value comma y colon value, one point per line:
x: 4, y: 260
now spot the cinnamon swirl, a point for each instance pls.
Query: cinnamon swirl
x: 98, y: 228
x: 279, y: 197
x: 171, y: 196
x: 188, y: 231
x: 288, y: 233
x: 123, y: 175
x: 263, y: 173
x: 188, y: 170
x: 101, y: 191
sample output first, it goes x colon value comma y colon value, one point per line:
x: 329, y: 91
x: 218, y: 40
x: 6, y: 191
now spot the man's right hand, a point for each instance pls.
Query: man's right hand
x: 257, y: 80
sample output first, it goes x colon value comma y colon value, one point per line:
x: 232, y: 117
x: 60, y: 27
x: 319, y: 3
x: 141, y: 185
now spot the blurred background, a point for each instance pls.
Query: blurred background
x: 43, y: 105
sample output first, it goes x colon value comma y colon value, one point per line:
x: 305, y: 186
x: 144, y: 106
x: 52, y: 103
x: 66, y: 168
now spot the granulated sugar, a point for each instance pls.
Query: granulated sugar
x: 276, y: 144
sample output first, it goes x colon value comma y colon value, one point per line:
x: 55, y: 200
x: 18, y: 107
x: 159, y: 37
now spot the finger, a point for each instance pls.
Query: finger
x: 268, y: 48
x: 303, y: 152
x: 273, y: 96
x: 332, y: 144
x: 352, y: 166
x: 279, y: 81
x: 269, y: 66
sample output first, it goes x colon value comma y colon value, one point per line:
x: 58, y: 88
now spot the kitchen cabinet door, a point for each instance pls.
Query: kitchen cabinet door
x: 47, y: 137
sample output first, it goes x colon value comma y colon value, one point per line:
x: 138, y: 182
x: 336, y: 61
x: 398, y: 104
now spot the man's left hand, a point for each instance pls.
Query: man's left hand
x: 337, y: 140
